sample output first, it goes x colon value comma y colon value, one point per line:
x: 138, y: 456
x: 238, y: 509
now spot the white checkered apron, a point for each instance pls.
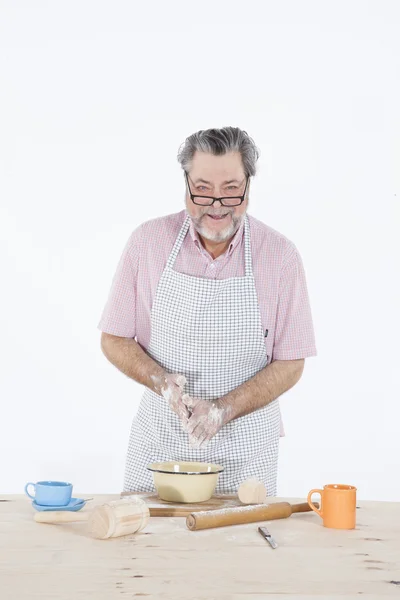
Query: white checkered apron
x: 210, y: 331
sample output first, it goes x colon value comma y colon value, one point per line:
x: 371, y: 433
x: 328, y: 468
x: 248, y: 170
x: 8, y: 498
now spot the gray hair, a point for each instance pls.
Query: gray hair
x: 217, y: 142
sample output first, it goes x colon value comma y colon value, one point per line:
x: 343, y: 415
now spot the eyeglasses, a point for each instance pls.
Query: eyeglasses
x: 233, y: 200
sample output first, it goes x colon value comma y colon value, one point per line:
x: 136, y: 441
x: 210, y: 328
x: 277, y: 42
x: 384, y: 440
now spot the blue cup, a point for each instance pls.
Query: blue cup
x: 50, y: 493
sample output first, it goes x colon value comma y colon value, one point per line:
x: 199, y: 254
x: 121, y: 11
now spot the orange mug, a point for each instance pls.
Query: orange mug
x: 338, y: 506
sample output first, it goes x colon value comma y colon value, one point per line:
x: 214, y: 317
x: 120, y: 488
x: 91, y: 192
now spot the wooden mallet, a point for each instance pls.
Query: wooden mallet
x: 113, y: 519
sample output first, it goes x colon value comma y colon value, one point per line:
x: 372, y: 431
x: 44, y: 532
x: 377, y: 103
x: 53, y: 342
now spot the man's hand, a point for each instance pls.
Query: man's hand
x: 206, y: 419
x: 171, y: 388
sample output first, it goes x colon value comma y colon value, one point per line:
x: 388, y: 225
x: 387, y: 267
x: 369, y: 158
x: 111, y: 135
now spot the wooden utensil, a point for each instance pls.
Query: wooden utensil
x: 162, y: 508
x: 244, y: 514
x: 113, y: 519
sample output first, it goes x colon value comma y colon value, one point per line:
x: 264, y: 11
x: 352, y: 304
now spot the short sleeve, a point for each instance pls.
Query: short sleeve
x: 119, y: 314
x: 294, y: 331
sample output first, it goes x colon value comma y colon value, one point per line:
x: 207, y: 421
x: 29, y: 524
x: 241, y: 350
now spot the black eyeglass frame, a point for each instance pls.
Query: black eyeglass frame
x: 192, y: 196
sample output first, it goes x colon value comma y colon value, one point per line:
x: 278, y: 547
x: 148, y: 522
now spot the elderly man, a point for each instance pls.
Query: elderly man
x: 209, y: 310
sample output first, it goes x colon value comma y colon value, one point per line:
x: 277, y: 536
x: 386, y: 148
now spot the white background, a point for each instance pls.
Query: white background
x: 96, y: 98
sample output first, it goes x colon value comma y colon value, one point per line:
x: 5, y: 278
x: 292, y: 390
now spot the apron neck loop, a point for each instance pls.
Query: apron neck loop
x: 182, y: 234
x: 178, y: 242
x: 247, y: 248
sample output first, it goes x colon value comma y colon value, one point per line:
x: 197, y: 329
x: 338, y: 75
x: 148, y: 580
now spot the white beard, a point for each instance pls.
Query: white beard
x: 217, y: 236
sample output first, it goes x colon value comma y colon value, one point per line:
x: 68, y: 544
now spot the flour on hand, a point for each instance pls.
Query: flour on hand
x: 206, y: 420
x: 171, y: 387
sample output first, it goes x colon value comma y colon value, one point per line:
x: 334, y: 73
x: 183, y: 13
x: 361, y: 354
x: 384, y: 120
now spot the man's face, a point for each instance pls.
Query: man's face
x: 217, y: 176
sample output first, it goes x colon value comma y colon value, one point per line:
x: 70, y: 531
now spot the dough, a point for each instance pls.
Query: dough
x: 252, y: 491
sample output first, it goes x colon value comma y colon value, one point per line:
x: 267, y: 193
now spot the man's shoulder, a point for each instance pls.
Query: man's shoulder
x: 265, y: 236
x: 173, y: 221
x: 160, y: 230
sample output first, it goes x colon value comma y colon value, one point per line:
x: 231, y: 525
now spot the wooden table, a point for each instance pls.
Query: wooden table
x: 166, y: 560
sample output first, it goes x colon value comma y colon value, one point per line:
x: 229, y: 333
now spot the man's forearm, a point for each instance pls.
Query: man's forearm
x: 267, y: 385
x: 132, y: 360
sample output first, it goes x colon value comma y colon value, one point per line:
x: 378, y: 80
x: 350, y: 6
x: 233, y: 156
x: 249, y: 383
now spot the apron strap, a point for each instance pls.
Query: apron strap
x: 247, y: 249
x: 178, y: 242
x: 185, y: 228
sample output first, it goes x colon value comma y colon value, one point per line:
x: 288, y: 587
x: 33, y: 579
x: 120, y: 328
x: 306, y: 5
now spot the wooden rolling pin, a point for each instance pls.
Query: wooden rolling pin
x: 113, y: 519
x: 244, y: 514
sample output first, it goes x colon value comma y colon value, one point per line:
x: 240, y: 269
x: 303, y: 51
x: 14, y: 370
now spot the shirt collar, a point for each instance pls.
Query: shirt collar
x: 234, y: 241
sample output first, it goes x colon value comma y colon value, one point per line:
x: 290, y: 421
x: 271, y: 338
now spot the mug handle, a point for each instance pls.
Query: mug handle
x: 311, y: 505
x: 26, y: 490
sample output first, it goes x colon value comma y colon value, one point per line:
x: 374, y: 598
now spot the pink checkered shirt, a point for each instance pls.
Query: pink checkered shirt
x: 278, y: 271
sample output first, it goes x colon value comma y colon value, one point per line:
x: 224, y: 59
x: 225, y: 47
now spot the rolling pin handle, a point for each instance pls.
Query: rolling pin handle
x: 304, y: 507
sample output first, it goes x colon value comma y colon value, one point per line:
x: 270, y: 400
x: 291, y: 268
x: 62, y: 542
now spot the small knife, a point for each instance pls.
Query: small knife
x: 266, y: 534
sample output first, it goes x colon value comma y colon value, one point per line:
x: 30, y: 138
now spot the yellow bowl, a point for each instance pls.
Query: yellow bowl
x: 185, y: 481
